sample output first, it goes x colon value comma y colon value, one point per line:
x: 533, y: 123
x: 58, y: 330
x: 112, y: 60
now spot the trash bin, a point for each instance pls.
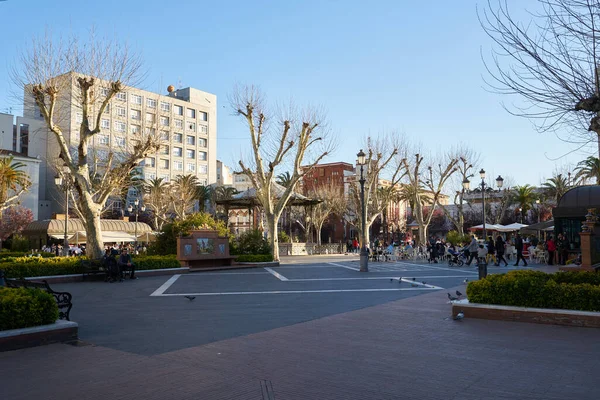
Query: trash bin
x: 482, y: 267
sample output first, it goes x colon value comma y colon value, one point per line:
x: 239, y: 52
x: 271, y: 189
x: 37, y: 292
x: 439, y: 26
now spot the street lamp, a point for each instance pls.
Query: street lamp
x: 58, y: 180
x: 136, y: 202
x: 364, y: 256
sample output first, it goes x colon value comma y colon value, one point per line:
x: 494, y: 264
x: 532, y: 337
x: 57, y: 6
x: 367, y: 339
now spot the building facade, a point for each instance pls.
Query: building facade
x: 185, y: 119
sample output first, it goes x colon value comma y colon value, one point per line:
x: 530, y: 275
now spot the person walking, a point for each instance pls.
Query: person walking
x: 472, y: 248
x: 551, y: 247
x: 491, y: 250
x: 519, y: 248
x: 500, y: 251
x: 562, y: 249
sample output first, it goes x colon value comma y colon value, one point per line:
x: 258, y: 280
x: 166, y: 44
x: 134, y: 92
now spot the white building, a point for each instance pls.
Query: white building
x: 224, y: 175
x: 185, y: 119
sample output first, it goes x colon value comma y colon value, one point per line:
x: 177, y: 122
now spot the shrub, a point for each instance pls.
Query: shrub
x: 254, y: 258
x: 19, y: 243
x: 166, y: 241
x: 156, y: 262
x: 283, y: 237
x: 22, y: 308
x: 6, y: 254
x: 563, y: 290
x: 249, y: 242
x: 456, y: 238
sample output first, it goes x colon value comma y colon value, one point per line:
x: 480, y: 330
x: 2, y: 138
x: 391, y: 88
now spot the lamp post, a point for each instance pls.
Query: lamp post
x: 364, y: 256
x: 58, y: 180
x: 137, y: 208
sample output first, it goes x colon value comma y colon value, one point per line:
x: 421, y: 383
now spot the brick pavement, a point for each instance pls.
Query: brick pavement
x: 404, y: 349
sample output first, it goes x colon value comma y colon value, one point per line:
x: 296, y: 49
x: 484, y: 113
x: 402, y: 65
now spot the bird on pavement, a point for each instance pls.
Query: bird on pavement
x: 424, y: 283
x: 452, y: 298
x: 413, y: 279
x: 459, y: 294
x: 466, y: 280
x: 459, y: 316
x: 190, y: 298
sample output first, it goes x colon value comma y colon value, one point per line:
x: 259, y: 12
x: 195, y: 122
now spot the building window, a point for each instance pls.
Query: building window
x: 177, y: 151
x: 103, y: 139
x: 105, y: 123
x: 79, y: 117
x: 191, y: 126
x: 105, y: 91
x: 202, y: 142
x: 191, y: 167
x: 150, y: 117
x: 164, y: 150
x: 164, y: 164
x: 165, y: 106
x: 119, y: 141
x: 135, y: 99
x: 203, y: 169
x: 164, y: 135
x: 135, y: 129
x: 177, y: 137
x: 150, y: 131
x: 121, y: 111
x: 203, y: 129
x: 179, y: 123
x: 165, y: 177
x: 120, y: 126
x: 122, y: 96
x: 177, y: 110
x: 202, y: 116
x: 202, y: 155
x: 164, y: 121
x: 150, y: 175
x: 190, y: 154
x: 151, y: 162
x: 177, y: 165
x: 191, y: 140
x: 135, y: 114
x: 151, y: 103
x: 107, y: 109
x: 191, y: 113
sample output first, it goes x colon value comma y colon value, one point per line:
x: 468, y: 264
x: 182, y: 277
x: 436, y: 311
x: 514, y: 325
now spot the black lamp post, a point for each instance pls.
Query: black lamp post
x: 137, y: 208
x: 58, y: 180
x: 364, y: 255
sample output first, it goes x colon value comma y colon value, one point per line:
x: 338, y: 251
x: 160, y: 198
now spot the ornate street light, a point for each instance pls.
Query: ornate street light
x: 364, y: 255
x: 58, y: 181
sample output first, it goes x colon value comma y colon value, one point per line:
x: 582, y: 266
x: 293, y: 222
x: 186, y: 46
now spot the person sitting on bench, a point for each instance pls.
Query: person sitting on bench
x: 110, y: 266
x: 125, y: 262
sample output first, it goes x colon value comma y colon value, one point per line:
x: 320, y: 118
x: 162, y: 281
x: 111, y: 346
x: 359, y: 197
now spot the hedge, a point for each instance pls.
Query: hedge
x: 254, y: 258
x: 21, y: 267
x: 563, y: 290
x: 23, y: 307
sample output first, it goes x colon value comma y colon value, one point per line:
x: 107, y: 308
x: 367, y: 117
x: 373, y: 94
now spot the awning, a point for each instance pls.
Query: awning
x: 107, y: 237
x: 147, y: 237
x: 488, y: 227
x: 511, y: 227
x: 545, y: 226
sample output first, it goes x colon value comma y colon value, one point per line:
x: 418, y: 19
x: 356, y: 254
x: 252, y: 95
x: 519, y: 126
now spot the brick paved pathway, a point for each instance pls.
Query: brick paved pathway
x: 404, y: 349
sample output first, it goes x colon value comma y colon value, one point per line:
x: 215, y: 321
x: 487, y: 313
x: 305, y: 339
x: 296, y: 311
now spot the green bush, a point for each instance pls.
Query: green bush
x: 6, y: 254
x: 249, y: 242
x: 19, y: 243
x: 156, y: 262
x: 254, y: 258
x: 22, y: 308
x: 166, y: 240
x: 456, y: 238
x: 283, y: 237
x: 563, y: 290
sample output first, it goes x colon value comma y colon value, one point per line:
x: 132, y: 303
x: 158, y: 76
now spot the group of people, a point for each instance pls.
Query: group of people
x: 115, y: 262
x: 57, y: 249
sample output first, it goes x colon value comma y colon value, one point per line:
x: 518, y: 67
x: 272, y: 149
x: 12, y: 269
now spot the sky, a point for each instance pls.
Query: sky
x: 376, y: 67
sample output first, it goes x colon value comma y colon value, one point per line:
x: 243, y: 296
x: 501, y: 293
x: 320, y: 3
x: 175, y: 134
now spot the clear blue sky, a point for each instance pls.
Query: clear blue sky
x: 376, y: 66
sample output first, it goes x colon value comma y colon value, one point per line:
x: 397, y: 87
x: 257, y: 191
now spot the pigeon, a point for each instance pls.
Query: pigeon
x: 452, y: 298
x: 424, y: 283
x: 459, y: 316
x: 413, y: 279
x: 190, y: 298
x: 459, y: 294
x: 466, y: 280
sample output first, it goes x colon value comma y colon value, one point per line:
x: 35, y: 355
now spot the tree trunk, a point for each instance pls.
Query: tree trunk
x: 94, y: 246
x: 318, y: 229
x: 272, y: 235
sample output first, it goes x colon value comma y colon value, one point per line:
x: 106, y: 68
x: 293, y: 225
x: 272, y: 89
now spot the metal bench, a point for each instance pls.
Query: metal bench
x: 63, y: 299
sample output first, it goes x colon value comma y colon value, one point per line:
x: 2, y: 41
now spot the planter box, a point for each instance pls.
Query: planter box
x: 60, y: 331
x: 586, y: 319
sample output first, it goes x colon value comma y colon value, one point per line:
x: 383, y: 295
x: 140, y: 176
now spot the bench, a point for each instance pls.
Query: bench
x: 94, y: 267
x: 63, y: 299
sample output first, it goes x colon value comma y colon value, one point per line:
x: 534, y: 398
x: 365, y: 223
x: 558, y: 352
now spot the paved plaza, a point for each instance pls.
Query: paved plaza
x: 313, y: 328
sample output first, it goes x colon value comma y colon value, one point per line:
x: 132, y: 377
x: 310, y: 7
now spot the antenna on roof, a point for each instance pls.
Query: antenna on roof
x: 179, y: 84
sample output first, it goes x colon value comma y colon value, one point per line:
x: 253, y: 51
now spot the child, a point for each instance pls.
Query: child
x: 481, y: 254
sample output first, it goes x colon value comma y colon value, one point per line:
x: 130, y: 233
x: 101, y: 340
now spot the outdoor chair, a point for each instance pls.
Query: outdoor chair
x: 542, y: 257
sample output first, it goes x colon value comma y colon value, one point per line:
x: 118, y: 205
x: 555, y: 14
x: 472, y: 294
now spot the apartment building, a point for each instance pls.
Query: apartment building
x: 185, y: 119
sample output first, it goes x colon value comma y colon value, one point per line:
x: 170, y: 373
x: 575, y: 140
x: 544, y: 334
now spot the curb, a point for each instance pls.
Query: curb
x: 79, y: 277
x: 588, y: 319
x: 58, y: 332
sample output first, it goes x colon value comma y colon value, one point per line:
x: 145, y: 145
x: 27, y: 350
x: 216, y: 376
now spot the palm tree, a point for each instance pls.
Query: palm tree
x: 284, y: 179
x: 525, y: 197
x: 157, y: 199
x: 204, y: 194
x: 223, y: 193
x: 555, y: 187
x: 13, y: 181
x: 184, y: 193
x: 588, y: 169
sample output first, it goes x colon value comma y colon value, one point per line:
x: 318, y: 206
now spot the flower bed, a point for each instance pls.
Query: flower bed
x: 574, y: 290
x: 22, y: 308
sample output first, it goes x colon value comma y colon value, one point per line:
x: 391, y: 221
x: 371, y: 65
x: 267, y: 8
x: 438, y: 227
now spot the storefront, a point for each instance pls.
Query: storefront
x: 571, y: 210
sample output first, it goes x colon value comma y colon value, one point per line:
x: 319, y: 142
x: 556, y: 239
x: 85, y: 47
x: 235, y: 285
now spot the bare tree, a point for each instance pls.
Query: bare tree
x: 382, y: 159
x: 551, y: 62
x: 296, y: 137
x: 332, y: 202
x: 467, y: 158
x: 433, y: 178
x: 65, y: 76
